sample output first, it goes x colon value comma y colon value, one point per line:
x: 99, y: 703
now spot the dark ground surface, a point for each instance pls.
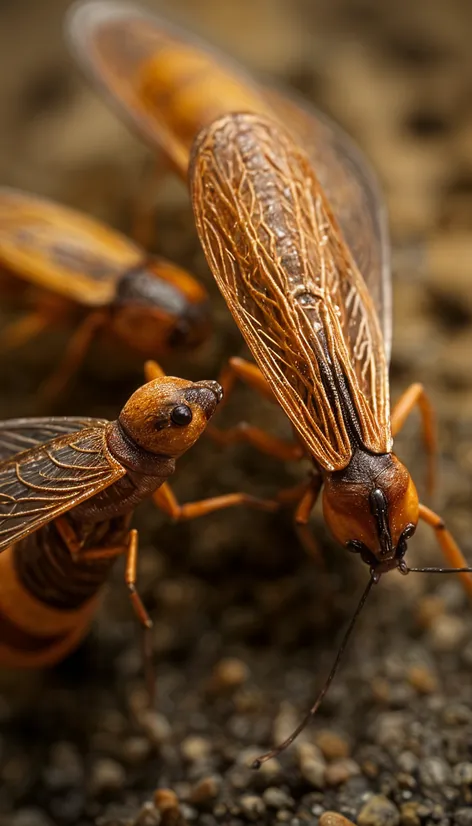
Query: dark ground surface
x: 246, y: 625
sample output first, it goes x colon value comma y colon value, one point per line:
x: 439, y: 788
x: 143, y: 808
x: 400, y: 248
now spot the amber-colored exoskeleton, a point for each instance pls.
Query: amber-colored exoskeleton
x: 320, y: 341
x: 81, y: 271
x: 68, y: 488
x: 167, y: 84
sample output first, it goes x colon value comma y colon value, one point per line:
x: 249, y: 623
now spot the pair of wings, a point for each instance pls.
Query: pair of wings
x: 47, y: 467
x: 297, y: 242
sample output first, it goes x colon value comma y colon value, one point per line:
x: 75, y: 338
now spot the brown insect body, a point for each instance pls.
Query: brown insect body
x: 307, y: 316
x: 81, y: 270
x: 68, y: 501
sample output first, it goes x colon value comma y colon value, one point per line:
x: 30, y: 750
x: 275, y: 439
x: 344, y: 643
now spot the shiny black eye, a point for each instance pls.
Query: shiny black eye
x: 355, y: 546
x: 181, y: 415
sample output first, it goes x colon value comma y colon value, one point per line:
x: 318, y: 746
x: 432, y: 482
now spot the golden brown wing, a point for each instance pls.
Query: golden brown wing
x: 354, y: 196
x: 18, y: 435
x: 39, y: 484
x: 62, y: 250
x: 290, y: 282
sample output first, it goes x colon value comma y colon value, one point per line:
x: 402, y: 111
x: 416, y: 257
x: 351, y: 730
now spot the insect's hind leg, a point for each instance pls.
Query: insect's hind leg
x: 23, y: 330
x: 75, y: 353
x: 416, y: 395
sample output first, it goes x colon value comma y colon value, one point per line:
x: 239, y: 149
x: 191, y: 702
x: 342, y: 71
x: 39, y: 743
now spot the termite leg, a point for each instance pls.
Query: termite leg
x: 447, y: 544
x: 153, y: 370
x: 238, y: 368
x: 165, y: 499
x: 302, y: 516
x: 23, y: 330
x: 245, y: 371
x: 416, y: 395
x: 256, y: 437
x: 140, y: 611
x: 74, y: 355
x: 68, y: 536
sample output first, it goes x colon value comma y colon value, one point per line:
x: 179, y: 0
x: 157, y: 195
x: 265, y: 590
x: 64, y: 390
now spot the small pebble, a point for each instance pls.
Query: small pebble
x: 228, y: 675
x: 167, y: 803
x: 135, y: 750
x: 446, y: 633
x: 312, y: 765
x: 422, y: 679
x: 276, y: 798
x: 379, y: 811
x: 207, y: 789
x: 147, y: 816
x: 339, y: 771
x: 107, y: 776
x: 156, y: 727
x: 334, y: 819
x: 409, y: 814
x: 462, y: 774
x: 194, y: 749
x: 30, y: 817
x: 462, y: 817
x: 434, y: 772
x: 333, y: 746
x: 252, y: 806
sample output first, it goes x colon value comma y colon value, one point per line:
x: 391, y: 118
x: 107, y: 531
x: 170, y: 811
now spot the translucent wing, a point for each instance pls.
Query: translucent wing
x: 18, y: 435
x: 278, y: 256
x: 164, y: 82
x: 62, y: 250
x: 169, y: 85
x: 39, y: 484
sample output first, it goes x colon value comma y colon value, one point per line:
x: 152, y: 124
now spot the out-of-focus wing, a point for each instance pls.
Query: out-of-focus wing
x: 290, y: 282
x: 164, y: 82
x: 41, y: 483
x: 62, y: 250
x: 18, y: 435
x: 168, y: 84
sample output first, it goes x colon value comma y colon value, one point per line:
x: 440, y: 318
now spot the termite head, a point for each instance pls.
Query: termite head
x: 167, y: 415
x: 371, y: 507
x: 160, y: 308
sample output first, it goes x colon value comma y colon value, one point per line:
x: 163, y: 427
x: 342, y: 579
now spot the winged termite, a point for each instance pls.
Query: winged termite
x: 68, y: 488
x: 168, y: 85
x: 305, y: 310
x: 88, y: 274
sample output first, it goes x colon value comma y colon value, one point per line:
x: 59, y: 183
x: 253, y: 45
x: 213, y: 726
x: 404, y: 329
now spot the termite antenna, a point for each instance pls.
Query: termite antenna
x: 438, y: 570
x: 278, y: 749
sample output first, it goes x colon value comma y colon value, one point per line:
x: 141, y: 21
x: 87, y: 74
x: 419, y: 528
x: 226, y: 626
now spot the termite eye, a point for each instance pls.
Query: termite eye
x: 181, y: 415
x: 354, y: 546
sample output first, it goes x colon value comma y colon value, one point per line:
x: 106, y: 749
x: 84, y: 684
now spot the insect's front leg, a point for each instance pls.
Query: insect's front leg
x: 282, y: 449
x: 166, y: 500
x: 448, y: 544
x: 416, y: 395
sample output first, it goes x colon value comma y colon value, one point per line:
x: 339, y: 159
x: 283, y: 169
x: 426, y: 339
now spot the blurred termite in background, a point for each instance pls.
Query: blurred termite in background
x: 168, y: 84
x: 68, y: 489
x: 76, y: 270
x: 317, y: 334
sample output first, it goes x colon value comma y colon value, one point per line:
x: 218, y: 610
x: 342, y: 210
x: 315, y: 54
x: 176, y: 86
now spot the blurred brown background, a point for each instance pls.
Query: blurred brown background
x: 77, y: 745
